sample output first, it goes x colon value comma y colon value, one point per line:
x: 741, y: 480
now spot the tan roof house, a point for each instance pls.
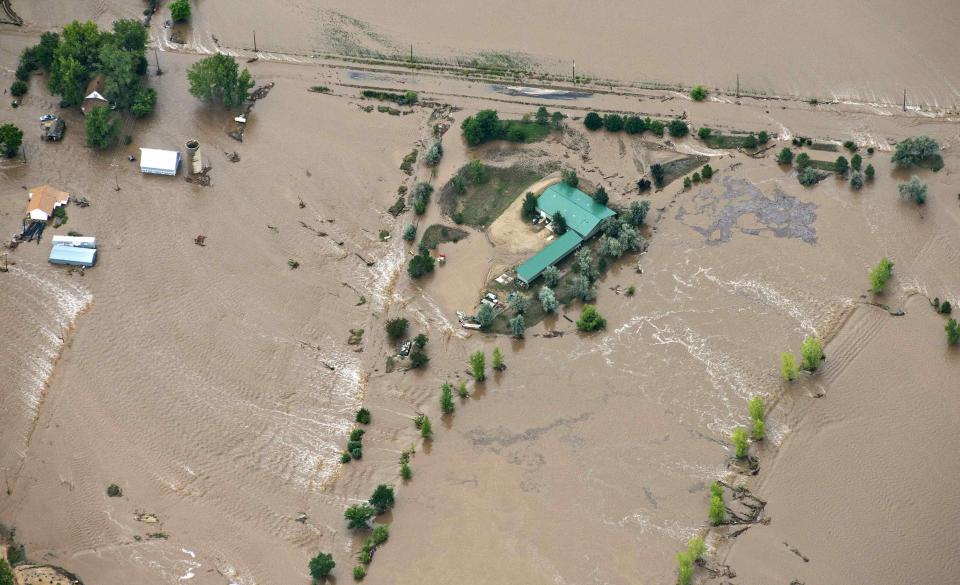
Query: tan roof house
x: 94, y: 98
x: 43, y: 200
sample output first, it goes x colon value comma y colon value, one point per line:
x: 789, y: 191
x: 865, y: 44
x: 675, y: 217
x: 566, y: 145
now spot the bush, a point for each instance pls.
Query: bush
x: 517, y: 326
x: 631, y: 290
x: 808, y: 177
x: 405, y: 471
x: 718, y: 510
x: 750, y: 142
x: 569, y: 177
x: 551, y: 276
x: 321, y: 565
x: 678, y: 128
x: 542, y: 116
x: 880, y: 275
x: 643, y: 185
x: 869, y: 172
x: 11, y: 138
x: 382, y: 498
x: 410, y: 232
x: 529, y: 210
x: 811, y: 353
x: 856, y: 181
x: 478, y: 365
x: 914, y: 151
x: 656, y: 126
x: 739, y: 439
x: 434, y: 154
x: 396, y: 328
x: 785, y: 157
x: 114, y: 491
x: 855, y: 162
x: 420, y: 341
x: 706, y: 172
x: 841, y: 165
x: 593, y: 121
x: 497, y: 361
x: 600, y: 196
x: 418, y: 359
x: 359, y: 573
x: 358, y: 516
x: 548, y: 300
x: 634, y: 125
x: 953, y: 332
x: 613, y: 122
x: 913, y: 189
x: 485, y: 317
x: 850, y: 145
x: 180, y: 10
x: 446, y: 398
x: 421, y: 264
x: 18, y: 88
x: 102, y: 128
x: 758, y: 415
x: 638, y: 212
x: 516, y: 133
x: 357, y: 434
x: 704, y: 133
x: 698, y: 93
x: 363, y: 416
x: 945, y: 308
x: 218, y: 78
x: 696, y: 177
x: 684, y: 568
x: 803, y: 161
x: 656, y: 170
x: 788, y: 367
x: 590, y: 319
x: 143, y: 102
x: 763, y: 137
x: 426, y: 429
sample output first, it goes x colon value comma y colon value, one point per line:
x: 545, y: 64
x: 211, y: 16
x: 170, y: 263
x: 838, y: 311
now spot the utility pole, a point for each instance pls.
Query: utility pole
x: 157, y: 57
x: 574, y: 71
x: 904, y: 100
x: 254, y: 41
x: 411, y: 52
x: 738, y: 85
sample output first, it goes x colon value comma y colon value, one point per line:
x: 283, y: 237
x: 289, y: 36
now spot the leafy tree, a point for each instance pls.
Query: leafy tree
x: 418, y: 359
x: 807, y: 176
x: 570, y: 177
x: 359, y: 572
x: 758, y: 416
x: 610, y: 247
x: 841, y: 166
x: 498, y: 359
x: 684, y: 568
x: 410, y: 232
x: 556, y: 120
x: 382, y: 497
x: 44, y: 52
x: 600, y: 196
x: 655, y: 126
x: 517, y: 326
x: 913, y: 189
x: 485, y: 317
x: 559, y: 223
x: 634, y: 125
x: 698, y: 93
x: 678, y: 128
x: 143, y: 102
x: 788, y: 367
x: 548, y: 301
x: 180, y: 10
x: 880, y: 275
x: 18, y: 88
x: 68, y: 79
x: 381, y: 533
x: 763, y: 137
x: 11, y: 138
x: 321, y: 565
x: 718, y: 510
x: 120, y: 70
x: 426, y: 429
x: 914, y: 151
x: 953, y: 332
x: 518, y: 303
x: 751, y: 142
x: 434, y: 154
x: 129, y: 35
x: 706, y: 172
x: 593, y: 121
x: 850, y: 145
x: 785, y: 157
x: 551, y: 276
x: 484, y: 126
x: 630, y: 239
x: 656, y: 170
x: 704, y: 132
x: 638, y: 212
x: 869, y: 172
x: 405, y: 471
x: 811, y: 353
x: 739, y: 438
x: 102, y: 128
x: 358, y: 516
x: 855, y: 162
x: 803, y: 161
x: 945, y: 308
x: 516, y: 133
x: 363, y: 416
x: 396, y: 328
x: 81, y: 41
x: 613, y: 122
x: 421, y: 264
x: 542, y: 116
x: 218, y: 78
x: 529, y: 210
x: 478, y: 364
x: 590, y: 319
x: 446, y: 398
x: 584, y: 264
x: 686, y: 182
x: 696, y: 548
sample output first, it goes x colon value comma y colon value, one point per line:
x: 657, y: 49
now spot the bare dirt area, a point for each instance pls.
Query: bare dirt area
x: 511, y: 232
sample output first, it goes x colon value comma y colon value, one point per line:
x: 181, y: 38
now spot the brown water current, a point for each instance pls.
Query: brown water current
x: 216, y: 386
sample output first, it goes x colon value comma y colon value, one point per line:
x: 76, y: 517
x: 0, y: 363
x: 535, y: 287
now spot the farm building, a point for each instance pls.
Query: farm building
x: 43, y: 200
x: 159, y: 162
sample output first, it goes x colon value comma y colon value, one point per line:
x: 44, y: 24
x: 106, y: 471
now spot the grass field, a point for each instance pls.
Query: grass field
x: 481, y: 203
x: 437, y: 234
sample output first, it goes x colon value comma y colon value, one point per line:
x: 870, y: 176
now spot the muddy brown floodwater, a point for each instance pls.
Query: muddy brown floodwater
x: 216, y: 386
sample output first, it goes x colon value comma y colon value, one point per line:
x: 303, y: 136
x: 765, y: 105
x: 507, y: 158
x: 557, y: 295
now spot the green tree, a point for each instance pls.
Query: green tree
x: 358, y: 516
x: 706, y: 172
x: 763, y: 137
x: 600, y: 196
x: 570, y: 177
x: 807, y: 176
x: 446, y: 398
x: 613, y: 122
x: 678, y: 128
x: 841, y: 166
x: 396, y: 328
x: 785, y: 157
x: 484, y: 126
x: 516, y: 133
x: 180, y: 10
x: 556, y: 120
x: 405, y: 471
x: 696, y: 548
x: 559, y: 223
x: 475, y: 172
x: 914, y: 151
x: 426, y: 429
x: 122, y: 83
x: 102, y: 128
x: 590, y: 319
x: 739, y: 438
x: 421, y: 264
x: 418, y: 359
x: 610, y: 247
x: 81, y: 41
x: 517, y: 326
x: 410, y: 232
x: 751, y: 142
x: 856, y: 180
x: 382, y: 498
x: 359, y: 572
x: 584, y: 264
x: 144, y: 102
x: 485, y: 317
x: 593, y: 121
x: 718, y: 510
x: 18, y: 88
x: 803, y: 161
x: 551, y: 276
x: 363, y: 416
x: 518, y: 303
x: 68, y: 79
x: 629, y: 238
x: 634, y: 125
x: 704, y: 132
x: 498, y: 359
x: 953, y: 332
x: 434, y: 154
x: 529, y: 210
x: 130, y: 35
x: 11, y: 138
x: 880, y: 275
x: 758, y: 416
x: 321, y: 565
x: 811, y: 353
x: 657, y: 171
x: 698, y: 93
x: 218, y: 78
x: 638, y: 212
x: 869, y: 172
x: 542, y: 116
x: 582, y: 288
x: 788, y: 367
x: 686, y: 183
x: 913, y: 189
x: 855, y: 162
x: 478, y: 364
x: 684, y: 568
x: 656, y: 126
x: 44, y: 53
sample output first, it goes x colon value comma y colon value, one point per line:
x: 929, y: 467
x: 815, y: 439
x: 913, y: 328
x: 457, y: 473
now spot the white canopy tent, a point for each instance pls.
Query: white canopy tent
x: 159, y: 162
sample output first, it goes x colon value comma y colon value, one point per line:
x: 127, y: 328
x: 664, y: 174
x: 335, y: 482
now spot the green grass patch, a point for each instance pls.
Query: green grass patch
x: 721, y: 141
x: 481, y: 203
x: 825, y: 146
x: 675, y: 169
x: 824, y: 165
x: 402, y: 99
x: 532, y: 131
x: 436, y: 234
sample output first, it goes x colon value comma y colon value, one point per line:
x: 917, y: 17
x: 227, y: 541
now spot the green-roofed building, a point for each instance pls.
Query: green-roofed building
x: 583, y: 216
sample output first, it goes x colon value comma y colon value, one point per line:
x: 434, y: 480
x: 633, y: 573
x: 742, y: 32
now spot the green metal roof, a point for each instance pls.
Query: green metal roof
x: 553, y: 253
x: 582, y: 213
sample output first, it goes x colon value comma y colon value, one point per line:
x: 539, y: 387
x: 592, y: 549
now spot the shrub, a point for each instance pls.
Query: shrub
x: 405, y: 471
x: 570, y: 177
x: 643, y: 185
x: 704, y: 133
x: 529, y: 210
x: 656, y: 170
x: 11, y: 138
x: 321, y: 565
x: 914, y: 151
x: 763, y: 137
x: 855, y: 162
x: 913, y: 189
x: 698, y: 93
x: 516, y: 133
x: 808, y: 177
x: 517, y: 326
x: 750, y: 142
x: 426, y: 429
x: 143, y: 102
x: 656, y: 126
x: 114, y: 491
x: 180, y: 10
x: 739, y: 438
x: 684, y: 568
x: 345, y: 457
x: 841, y: 165
x: 757, y: 414
x: 706, y: 172
x: 788, y: 367
x: 363, y: 416
x: 785, y: 157
x: 434, y: 154
x: 410, y: 232
x: 382, y: 498
x: 381, y: 532
x: 548, y: 300
x: 593, y: 121
x: 590, y: 319
x: 696, y: 177
x: 556, y: 120
x: 953, y: 332
x: 718, y: 510
x: 542, y: 116
x: 613, y: 122
x: 18, y: 88
x: 102, y: 128
x: 365, y: 556
x: 418, y: 359
x: 446, y: 398
x: 357, y: 453
x: 869, y: 172
x: 357, y: 434
x: 945, y: 308
x: 634, y: 125
x: 421, y: 264
x: 850, y: 145
x: 803, y: 161
x: 856, y: 181
x: 811, y: 353
x: 478, y: 365
x: 696, y: 548
x: 551, y: 276
x: 485, y: 317
x: 638, y: 212
x: 880, y: 275
x: 870, y: 150
x: 359, y: 573
x: 396, y: 327
x: 631, y: 290
x: 678, y: 128
x: 462, y: 390
x: 600, y: 196
x: 497, y: 361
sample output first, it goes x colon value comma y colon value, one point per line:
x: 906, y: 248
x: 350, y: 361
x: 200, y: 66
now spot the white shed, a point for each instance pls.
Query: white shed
x: 159, y: 162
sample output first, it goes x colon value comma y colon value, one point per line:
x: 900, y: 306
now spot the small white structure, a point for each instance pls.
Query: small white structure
x: 159, y: 162
x: 76, y: 241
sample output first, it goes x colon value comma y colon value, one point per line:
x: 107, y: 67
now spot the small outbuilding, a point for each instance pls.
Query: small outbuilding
x: 43, y: 200
x: 73, y: 255
x: 76, y: 241
x: 159, y: 162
